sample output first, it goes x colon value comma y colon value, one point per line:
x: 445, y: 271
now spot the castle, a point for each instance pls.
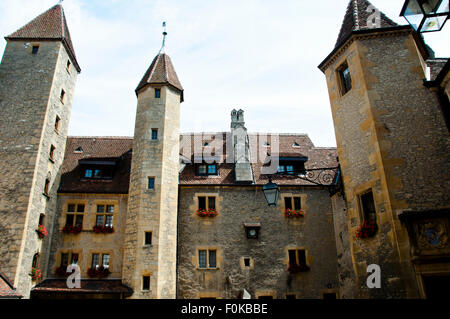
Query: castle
x: 170, y: 215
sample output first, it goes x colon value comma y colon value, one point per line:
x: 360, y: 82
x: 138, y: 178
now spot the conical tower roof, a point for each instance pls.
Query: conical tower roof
x: 51, y: 25
x: 357, y: 18
x: 161, y: 72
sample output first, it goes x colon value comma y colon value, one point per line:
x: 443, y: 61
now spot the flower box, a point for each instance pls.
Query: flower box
x: 36, y: 274
x: 295, y: 269
x: 366, y: 230
x: 291, y: 213
x: 98, y: 272
x: 69, y: 229
x: 42, y: 232
x: 103, y: 230
x: 207, y: 213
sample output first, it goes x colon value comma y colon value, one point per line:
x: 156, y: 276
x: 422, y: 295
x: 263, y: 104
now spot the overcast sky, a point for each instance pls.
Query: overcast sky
x: 258, y: 55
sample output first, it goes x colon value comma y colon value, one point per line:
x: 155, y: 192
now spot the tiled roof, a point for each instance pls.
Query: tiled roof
x: 101, y: 148
x: 161, y: 71
x: 87, y: 287
x: 357, y: 18
x: 6, y: 288
x: 51, y: 25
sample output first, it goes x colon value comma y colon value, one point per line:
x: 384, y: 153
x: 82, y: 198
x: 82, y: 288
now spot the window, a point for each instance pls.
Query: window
x: 75, y: 214
x: 157, y: 93
x: 105, y: 259
x: 52, y: 153
x: 345, y: 78
x: 99, y: 173
x: 62, y: 96
x: 207, y: 169
x: 95, y: 261
x: 105, y: 214
x: 206, y: 203
x: 291, y: 167
x: 154, y: 134
x: 35, y: 261
x: 252, y: 230
x: 41, y: 220
x: 68, y: 65
x: 57, y: 123
x: 367, y: 207
x: 247, y: 262
x: 297, y: 260
x: 65, y: 257
x: 207, y: 259
x: 35, y: 49
x: 151, y: 183
x: 294, y: 203
x: 146, y: 283
x: 148, y: 238
x: 47, y: 187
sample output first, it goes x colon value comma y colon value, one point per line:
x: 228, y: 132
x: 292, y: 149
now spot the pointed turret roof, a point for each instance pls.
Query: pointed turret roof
x: 161, y: 71
x: 51, y: 25
x: 357, y: 18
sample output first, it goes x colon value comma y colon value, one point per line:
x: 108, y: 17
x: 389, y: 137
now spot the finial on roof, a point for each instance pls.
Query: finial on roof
x: 164, y: 25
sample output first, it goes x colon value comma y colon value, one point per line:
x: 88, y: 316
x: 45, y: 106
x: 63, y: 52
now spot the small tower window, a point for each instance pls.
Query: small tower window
x: 47, y: 187
x: 345, y: 78
x: 68, y: 65
x: 146, y: 283
x: 151, y: 183
x: 35, y: 49
x: 148, y: 238
x: 52, y: 153
x: 154, y: 134
x: 63, y: 95
x: 57, y: 124
x: 157, y: 93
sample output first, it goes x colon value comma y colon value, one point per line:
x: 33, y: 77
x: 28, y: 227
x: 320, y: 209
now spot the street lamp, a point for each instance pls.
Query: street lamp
x: 271, y: 192
x: 426, y: 15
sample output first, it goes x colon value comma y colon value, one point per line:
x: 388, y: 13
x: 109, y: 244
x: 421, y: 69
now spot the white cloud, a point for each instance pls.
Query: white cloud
x: 258, y: 55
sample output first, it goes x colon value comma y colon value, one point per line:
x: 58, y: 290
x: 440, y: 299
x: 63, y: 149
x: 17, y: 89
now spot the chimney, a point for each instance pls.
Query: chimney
x: 241, y: 148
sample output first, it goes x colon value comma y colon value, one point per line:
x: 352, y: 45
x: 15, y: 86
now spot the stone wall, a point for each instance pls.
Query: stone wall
x: 391, y: 139
x: 154, y: 210
x: 87, y: 242
x: 30, y: 90
x: 268, y: 272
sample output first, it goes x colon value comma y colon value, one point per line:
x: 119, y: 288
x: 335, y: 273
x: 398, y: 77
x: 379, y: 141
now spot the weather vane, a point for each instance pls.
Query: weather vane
x: 164, y: 37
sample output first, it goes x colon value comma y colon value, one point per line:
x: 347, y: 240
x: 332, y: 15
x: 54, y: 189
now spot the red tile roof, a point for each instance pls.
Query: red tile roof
x: 101, y: 148
x: 161, y: 71
x: 357, y: 17
x: 6, y: 288
x: 97, y: 148
x: 51, y: 25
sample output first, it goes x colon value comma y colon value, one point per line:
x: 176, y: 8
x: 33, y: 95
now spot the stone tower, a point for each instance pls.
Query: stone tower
x: 37, y: 81
x: 153, y: 195
x: 392, y: 143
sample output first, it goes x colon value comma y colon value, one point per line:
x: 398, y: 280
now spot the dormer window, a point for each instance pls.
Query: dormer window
x: 97, y: 169
x: 207, y: 170
x: 296, y: 144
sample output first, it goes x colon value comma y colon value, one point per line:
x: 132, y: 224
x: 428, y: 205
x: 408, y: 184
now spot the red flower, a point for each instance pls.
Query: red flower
x: 42, y: 231
x: 367, y: 229
x: 103, y: 229
x: 36, y: 274
x: 69, y: 229
x: 207, y: 213
x: 291, y: 213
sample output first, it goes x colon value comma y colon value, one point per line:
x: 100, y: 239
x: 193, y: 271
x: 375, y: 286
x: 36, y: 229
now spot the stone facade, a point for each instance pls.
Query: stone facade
x: 30, y: 102
x: 268, y: 271
x: 154, y: 210
x: 394, y: 146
